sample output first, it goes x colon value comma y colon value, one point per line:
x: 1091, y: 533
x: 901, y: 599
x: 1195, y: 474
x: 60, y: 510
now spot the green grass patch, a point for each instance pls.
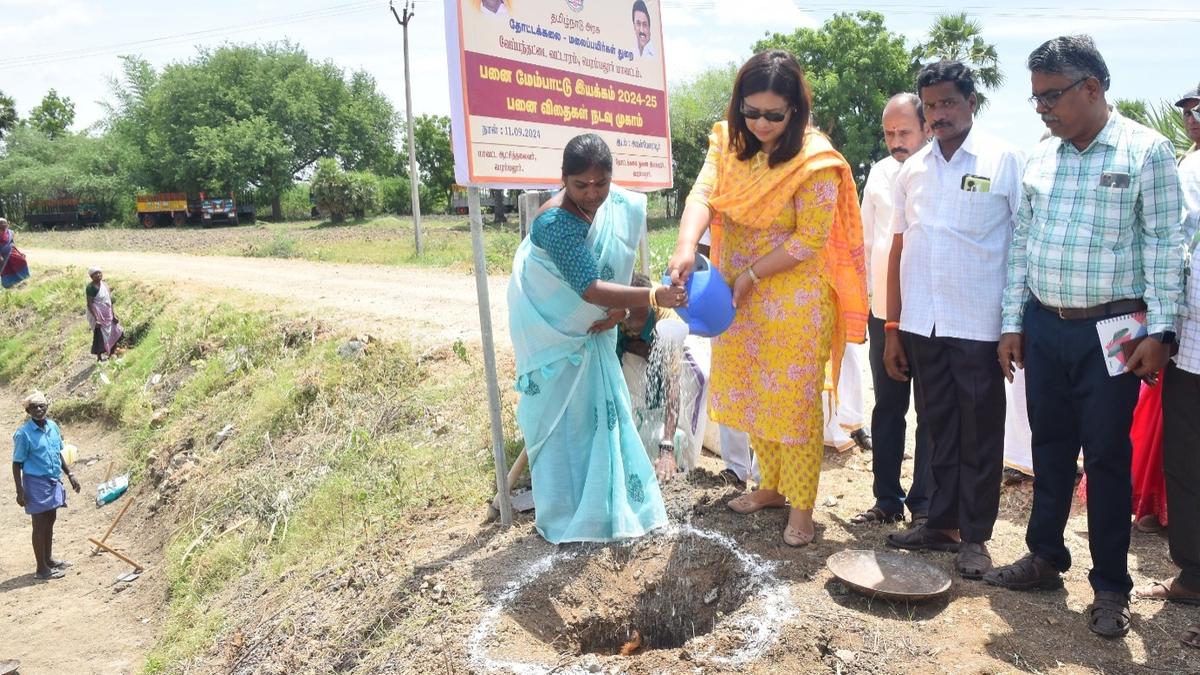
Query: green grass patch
x: 324, y: 453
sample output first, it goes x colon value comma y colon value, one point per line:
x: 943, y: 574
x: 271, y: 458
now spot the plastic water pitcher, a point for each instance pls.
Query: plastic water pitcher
x: 710, y: 300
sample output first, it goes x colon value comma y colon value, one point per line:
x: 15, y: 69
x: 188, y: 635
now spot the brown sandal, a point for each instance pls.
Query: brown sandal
x: 1108, y: 615
x: 1191, y: 636
x: 973, y: 561
x: 1171, y: 591
x: 876, y: 515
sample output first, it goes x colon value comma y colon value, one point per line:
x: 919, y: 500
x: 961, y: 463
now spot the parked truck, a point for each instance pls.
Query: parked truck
x: 179, y: 208
x: 62, y: 213
x: 458, y: 201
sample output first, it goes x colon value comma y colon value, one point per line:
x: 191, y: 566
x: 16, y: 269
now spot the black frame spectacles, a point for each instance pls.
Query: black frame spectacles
x: 771, y: 115
x: 1052, y: 97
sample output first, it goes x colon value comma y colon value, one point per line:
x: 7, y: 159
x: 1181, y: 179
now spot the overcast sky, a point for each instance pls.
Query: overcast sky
x: 72, y: 45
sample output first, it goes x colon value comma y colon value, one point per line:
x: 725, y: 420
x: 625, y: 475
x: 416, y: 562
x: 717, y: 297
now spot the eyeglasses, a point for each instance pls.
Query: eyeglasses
x: 771, y: 115
x: 1051, y: 98
x: 1194, y: 112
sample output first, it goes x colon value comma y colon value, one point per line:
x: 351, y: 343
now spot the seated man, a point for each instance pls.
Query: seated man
x: 658, y: 406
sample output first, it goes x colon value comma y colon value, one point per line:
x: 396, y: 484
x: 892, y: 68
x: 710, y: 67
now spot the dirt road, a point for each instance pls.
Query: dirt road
x: 422, y: 304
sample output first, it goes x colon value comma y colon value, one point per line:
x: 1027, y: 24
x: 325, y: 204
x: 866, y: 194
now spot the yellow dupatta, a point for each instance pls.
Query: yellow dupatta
x: 756, y: 201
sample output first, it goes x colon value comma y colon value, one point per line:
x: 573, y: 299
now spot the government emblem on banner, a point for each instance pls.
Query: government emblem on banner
x: 575, y: 5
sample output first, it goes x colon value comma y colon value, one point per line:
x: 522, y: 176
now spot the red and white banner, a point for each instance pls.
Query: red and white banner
x: 526, y: 76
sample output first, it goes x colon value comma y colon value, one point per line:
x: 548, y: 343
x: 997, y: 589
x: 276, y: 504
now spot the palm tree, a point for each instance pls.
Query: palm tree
x: 1163, y: 118
x: 956, y: 38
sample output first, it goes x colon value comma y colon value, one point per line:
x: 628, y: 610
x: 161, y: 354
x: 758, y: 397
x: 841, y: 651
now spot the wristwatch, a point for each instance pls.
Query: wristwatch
x: 1166, y: 337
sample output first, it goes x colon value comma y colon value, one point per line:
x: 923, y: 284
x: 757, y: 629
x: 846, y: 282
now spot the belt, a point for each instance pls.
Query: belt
x: 1099, y: 311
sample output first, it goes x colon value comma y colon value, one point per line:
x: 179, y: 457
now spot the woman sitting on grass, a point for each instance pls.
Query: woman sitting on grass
x: 592, y: 479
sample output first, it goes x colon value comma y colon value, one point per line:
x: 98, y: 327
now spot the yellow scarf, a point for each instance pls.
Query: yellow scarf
x: 757, y: 200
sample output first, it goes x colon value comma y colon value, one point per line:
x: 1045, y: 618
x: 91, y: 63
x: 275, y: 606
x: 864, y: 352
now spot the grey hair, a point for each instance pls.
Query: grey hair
x: 911, y: 99
x: 1072, y: 56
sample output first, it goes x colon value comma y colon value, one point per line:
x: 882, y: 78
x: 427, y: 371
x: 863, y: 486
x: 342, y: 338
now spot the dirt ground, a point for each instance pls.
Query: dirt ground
x: 453, y: 592
x: 86, y: 622
x: 418, y: 304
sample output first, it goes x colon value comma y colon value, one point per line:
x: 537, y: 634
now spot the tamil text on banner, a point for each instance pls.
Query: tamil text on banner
x: 528, y: 75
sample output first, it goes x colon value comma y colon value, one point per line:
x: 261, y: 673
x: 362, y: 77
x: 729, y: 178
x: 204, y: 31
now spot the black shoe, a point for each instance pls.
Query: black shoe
x: 862, y: 438
x: 731, y: 478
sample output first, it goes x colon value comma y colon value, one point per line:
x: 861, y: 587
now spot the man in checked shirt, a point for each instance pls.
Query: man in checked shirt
x: 1098, y: 235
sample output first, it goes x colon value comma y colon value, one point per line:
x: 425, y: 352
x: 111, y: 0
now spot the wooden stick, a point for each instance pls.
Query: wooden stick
x: 517, y: 469
x: 128, y: 503
x: 137, y: 568
x: 109, y: 470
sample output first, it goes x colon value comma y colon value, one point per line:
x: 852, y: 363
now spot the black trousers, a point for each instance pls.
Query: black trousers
x: 1181, y: 465
x: 962, y: 402
x: 888, y: 428
x: 1073, y: 402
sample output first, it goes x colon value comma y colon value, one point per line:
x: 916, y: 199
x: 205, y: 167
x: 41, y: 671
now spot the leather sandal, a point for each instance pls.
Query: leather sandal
x: 923, y: 539
x: 1027, y: 574
x: 876, y: 515
x: 973, y: 560
x: 1171, y: 591
x: 746, y: 505
x: 1191, y: 636
x: 1108, y: 615
x: 796, y: 538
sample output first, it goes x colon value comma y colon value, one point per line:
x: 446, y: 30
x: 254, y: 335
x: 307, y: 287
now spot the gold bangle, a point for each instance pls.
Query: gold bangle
x: 753, y: 276
x: 653, y: 300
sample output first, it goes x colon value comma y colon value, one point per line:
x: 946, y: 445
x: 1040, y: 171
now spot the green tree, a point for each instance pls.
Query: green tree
x: 35, y: 166
x: 1162, y: 117
x: 695, y: 106
x: 957, y: 38
x: 1134, y: 109
x: 54, y: 115
x: 248, y: 116
x: 435, y: 158
x: 8, y: 114
x: 854, y: 64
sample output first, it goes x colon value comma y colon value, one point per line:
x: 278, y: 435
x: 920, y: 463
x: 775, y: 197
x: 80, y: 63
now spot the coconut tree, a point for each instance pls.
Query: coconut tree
x: 957, y: 38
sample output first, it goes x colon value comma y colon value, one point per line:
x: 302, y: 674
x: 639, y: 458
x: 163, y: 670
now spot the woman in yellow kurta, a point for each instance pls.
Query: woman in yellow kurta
x: 787, y: 235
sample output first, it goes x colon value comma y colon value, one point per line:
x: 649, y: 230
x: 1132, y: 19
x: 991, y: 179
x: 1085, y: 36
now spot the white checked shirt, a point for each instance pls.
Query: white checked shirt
x: 953, y: 268
x: 877, y: 229
x: 1188, y: 357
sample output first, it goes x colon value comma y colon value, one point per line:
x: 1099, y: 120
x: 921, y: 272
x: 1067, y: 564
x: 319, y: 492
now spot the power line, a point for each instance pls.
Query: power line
x: 323, y: 13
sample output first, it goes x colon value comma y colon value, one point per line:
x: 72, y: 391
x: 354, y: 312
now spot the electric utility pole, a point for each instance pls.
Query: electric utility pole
x: 413, y: 179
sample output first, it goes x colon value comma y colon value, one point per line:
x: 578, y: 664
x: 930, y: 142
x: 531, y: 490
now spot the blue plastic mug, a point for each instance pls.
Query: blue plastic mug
x: 710, y: 300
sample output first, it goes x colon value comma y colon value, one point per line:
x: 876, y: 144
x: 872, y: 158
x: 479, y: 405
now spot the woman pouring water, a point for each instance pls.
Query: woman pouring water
x: 592, y: 478
x: 789, y: 239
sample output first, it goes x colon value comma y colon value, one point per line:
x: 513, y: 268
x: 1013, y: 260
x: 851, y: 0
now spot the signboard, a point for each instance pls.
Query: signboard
x: 526, y: 76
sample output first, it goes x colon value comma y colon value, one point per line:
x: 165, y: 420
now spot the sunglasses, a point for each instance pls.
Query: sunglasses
x: 771, y: 115
x: 1051, y: 98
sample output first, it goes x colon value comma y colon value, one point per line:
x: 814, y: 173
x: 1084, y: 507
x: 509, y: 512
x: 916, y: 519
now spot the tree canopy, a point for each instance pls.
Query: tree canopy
x: 244, y: 116
x: 957, y: 38
x: 54, y: 115
x: 435, y: 158
x: 695, y: 106
x: 8, y: 113
x: 854, y: 64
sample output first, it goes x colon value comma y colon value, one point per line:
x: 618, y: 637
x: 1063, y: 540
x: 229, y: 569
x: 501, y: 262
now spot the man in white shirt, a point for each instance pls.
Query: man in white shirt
x: 494, y: 8
x: 1181, y: 401
x: 905, y: 133
x: 955, y: 207
x: 641, y: 29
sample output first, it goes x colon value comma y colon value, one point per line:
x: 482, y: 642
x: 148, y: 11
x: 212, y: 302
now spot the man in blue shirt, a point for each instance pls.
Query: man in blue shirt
x: 37, y: 469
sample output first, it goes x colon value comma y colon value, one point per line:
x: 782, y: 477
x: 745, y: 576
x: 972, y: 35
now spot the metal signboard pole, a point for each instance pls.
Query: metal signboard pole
x: 503, y: 500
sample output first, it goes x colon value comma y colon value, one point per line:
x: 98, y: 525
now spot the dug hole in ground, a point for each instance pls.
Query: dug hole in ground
x: 312, y: 499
